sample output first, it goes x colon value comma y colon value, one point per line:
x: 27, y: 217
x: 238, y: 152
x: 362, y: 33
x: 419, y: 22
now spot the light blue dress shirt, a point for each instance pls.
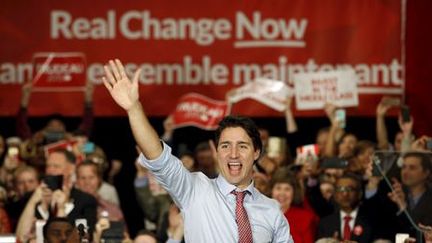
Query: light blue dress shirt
x: 208, y: 206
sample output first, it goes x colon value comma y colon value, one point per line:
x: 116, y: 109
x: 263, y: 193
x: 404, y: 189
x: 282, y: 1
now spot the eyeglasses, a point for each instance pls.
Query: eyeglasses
x: 346, y: 189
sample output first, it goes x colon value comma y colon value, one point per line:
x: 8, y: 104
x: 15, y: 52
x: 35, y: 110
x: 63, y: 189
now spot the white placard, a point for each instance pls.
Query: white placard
x: 314, y: 90
x: 272, y: 93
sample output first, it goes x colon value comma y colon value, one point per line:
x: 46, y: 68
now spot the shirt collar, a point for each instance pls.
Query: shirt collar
x: 414, y: 200
x: 353, y: 214
x: 226, y: 188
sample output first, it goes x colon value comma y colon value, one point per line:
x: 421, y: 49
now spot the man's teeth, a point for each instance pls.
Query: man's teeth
x: 234, y: 164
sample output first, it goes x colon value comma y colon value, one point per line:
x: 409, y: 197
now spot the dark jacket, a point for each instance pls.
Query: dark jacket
x: 362, y: 231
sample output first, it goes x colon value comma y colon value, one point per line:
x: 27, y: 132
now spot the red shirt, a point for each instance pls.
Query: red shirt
x: 303, y: 224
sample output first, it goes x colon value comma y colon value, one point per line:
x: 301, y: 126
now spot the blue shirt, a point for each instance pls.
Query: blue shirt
x: 208, y: 206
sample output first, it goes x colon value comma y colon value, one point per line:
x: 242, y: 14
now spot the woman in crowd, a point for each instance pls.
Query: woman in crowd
x: 89, y: 179
x: 285, y: 189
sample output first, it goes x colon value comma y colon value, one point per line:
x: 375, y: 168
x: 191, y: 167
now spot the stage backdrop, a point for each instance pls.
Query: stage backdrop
x: 206, y: 47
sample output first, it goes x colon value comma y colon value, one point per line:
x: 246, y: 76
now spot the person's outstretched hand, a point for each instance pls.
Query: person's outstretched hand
x: 397, y: 195
x: 122, y: 89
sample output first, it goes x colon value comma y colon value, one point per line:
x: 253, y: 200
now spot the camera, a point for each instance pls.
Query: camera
x: 114, y: 234
x: 53, y: 136
x: 53, y: 182
x: 334, y: 163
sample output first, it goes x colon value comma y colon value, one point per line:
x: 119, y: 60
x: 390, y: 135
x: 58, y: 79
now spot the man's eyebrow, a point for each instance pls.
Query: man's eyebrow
x: 238, y: 142
x: 244, y: 143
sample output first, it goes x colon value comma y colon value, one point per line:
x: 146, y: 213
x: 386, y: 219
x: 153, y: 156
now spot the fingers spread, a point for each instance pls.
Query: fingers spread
x: 107, y: 84
x: 136, y: 76
x: 121, y: 69
x: 115, y: 70
x: 109, y: 75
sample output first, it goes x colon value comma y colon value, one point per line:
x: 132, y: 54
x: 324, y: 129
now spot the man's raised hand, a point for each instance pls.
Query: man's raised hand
x: 122, y: 89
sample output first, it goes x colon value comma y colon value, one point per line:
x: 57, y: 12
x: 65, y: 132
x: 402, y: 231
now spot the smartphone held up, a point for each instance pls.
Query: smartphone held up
x: 340, y: 116
x: 405, y: 114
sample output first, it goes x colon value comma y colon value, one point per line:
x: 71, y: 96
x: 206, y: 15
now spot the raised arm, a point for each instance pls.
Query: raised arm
x: 335, y: 132
x: 291, y: 124
x: 86, y: 125
x: 125, y: 94
x: 381, y: 129
x: 22, y: 126
x: 408, y: 137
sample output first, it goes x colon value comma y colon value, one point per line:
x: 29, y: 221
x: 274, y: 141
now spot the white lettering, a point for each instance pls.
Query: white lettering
x: 203, y: 71
x: 269, y: 28
x: 124, y: 25
x: 60, y: 22
x: 11, y: 73
x: 95, y: 72
x: 62, y: 25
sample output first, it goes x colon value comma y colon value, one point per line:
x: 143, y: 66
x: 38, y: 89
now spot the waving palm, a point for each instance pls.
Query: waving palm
x: 122, y: 89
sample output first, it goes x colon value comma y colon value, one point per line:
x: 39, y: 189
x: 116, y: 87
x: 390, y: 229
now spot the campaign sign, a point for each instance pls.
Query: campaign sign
x: 314, y: 90
x: 57, y: 71
x: 69, y: 145
x: 199, y: 111
x: 272, y: 93
x: 307, y: 153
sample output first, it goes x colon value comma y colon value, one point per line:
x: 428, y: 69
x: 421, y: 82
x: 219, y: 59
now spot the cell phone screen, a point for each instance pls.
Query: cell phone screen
x: 340, y: 116
x: 53, y: 182
x: 429, y: 144
x: 405, y: 113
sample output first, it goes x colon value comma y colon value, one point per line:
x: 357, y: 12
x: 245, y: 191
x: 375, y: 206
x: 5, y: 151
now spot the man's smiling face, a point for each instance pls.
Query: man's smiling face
x: 236, y: 155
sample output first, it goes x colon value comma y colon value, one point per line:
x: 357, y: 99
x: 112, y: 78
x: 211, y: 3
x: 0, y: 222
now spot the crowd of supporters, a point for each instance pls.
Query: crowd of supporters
x: 344, y: 188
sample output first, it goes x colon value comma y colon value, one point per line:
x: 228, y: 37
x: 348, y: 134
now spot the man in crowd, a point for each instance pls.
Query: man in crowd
x: 225, y: 209
x: 26, y: 180
x: 62, y: 200
x: 350, y: 221
x: 60, y: 230
x: 414, y: 193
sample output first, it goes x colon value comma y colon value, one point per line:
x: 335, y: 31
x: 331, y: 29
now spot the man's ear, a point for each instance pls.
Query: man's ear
x: 257, y: 154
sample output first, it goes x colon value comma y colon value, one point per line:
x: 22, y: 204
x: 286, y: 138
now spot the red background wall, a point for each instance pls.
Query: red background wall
x: 419, y: 64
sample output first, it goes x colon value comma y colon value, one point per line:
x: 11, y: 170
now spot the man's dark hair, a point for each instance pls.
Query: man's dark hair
x: 323, y: 130
x: 70, y: 157
x: 243, y: 122
x: 52, y: 221
x: 354, y: 177
x: 202, y: 146
x: 362, y: 146
x: 425, y: 160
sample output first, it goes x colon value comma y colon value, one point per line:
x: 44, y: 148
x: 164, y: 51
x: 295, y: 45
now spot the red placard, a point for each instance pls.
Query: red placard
x: 199, y: 111
x: 62, y: 144
x: 56, y: 71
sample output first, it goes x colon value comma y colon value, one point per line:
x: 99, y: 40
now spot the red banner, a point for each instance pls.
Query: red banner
x: 207, y: 47
x: 69, y: 145
x: 199, y: 111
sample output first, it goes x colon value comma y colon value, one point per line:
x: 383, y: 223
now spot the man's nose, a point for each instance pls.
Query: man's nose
x: 233, y: 152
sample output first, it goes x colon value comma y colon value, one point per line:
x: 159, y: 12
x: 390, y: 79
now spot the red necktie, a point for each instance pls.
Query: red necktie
x: 243, y: 225
x: 347, y: 228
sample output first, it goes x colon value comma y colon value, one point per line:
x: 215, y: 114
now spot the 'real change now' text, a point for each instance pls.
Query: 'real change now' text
x: 245, y: 29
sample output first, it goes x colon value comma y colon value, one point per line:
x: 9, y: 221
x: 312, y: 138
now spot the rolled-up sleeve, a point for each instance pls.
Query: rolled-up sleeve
x: 172, y: 175
x: 282, y: 233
